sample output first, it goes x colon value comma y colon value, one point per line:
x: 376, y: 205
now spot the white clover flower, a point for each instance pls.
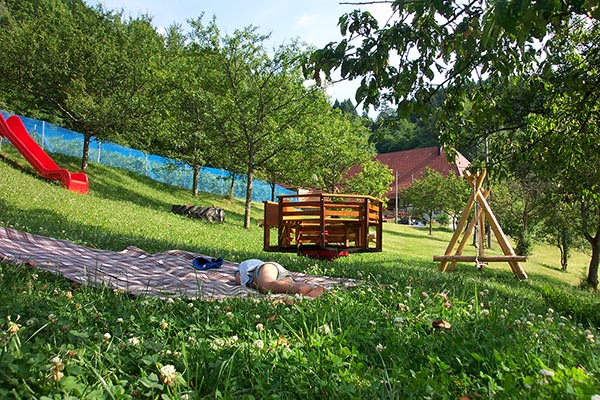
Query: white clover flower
x: 134, y: 341
x: 550, y: 310
x: 119, y: 320
x: 190, y: 305
x: 547, y: 373
x: 372, y: 322
x: 192, y: 340
x: 549, y: 320
x: 13, y: 328
x: 590, y: 338
x: 325, y: 329
x: 595, y: 397
x: 168, y: 374
x: 57, y: 362
x: 485, y: 313
x: 170, y: 300
x: 234, y: 338
x: 56, y: 375
x: 56, y: 369
x: 259, y: 344
x: 229, y: 315
x: 106, y: 336
x: 379, y: 347
x: 260, y: 327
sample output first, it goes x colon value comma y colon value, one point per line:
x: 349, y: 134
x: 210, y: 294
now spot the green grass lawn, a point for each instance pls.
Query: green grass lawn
x: 406, y: 331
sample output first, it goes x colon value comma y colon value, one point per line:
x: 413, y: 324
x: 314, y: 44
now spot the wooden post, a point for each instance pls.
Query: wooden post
x: 322, y: 232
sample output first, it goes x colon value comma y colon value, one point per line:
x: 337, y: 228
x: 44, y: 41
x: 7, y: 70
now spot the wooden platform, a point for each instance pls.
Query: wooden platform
x: 329, y: 222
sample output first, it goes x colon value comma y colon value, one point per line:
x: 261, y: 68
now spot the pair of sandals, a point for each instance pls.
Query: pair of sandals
x: 202, y: 264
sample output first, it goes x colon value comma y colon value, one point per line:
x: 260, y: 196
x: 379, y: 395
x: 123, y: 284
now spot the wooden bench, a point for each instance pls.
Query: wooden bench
x: 352, y: 223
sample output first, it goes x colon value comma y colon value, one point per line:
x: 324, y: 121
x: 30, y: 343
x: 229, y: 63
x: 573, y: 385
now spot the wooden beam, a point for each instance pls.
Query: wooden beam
x: 456, y: 258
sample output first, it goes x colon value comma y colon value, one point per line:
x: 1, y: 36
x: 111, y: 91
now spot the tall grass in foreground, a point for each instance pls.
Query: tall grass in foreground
x: 405, y: 331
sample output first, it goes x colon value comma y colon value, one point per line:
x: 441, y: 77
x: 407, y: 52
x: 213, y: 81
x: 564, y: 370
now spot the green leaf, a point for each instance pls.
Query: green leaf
x: 151, y: 382
x: 70, y: 384
x: 77, y: 334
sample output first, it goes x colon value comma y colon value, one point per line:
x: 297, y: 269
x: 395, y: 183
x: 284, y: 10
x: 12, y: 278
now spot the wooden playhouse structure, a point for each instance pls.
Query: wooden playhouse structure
x: 323, y: 225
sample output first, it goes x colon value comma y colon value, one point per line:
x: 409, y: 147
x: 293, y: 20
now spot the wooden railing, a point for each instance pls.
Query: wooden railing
x: 350, y: 222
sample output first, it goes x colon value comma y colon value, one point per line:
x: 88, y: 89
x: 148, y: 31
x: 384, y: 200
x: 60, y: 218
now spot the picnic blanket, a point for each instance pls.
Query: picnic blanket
x: 166, y: 274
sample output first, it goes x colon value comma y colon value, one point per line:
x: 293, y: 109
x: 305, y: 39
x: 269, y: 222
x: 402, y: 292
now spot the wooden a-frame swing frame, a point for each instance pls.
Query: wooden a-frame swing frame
x: 483, y: 211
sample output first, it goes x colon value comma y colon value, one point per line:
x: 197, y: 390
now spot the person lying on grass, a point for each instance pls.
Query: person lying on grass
x: 271, y: 277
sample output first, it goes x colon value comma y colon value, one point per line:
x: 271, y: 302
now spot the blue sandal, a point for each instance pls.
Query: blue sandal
x: 202, y: 264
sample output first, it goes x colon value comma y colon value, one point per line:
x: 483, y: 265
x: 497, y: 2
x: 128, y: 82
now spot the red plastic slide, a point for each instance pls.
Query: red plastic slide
x: 14, y: 130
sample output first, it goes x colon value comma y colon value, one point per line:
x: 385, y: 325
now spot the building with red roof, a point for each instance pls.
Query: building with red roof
x: 409, y: 165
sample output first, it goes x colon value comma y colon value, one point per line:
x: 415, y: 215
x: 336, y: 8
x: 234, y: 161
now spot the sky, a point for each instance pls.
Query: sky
x: 312, y: 21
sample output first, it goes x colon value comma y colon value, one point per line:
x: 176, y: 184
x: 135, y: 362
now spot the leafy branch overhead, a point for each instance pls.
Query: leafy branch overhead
x: 426, y: 45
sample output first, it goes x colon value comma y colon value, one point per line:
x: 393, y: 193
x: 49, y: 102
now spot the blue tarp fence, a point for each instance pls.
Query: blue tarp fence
x: 54, y: 139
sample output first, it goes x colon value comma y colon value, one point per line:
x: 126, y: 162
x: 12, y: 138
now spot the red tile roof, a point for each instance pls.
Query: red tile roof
x: 410, y: 165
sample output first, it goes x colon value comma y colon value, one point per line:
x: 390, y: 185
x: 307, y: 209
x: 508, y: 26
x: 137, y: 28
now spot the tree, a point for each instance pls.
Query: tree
x: 434, y: 194
x: 523, y: 73
x: 187, y: 105
x: 337, y: 143
x: 257, y: 99
x: 99, y: 71
x: 374, y: 179
x: 346, y: 106
x: 560, y: 228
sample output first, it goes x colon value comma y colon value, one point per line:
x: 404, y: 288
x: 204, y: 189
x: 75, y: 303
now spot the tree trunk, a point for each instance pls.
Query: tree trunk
x: 232, y: 187
x: 564, y: 246
x: 592, y: 278
x: 431, y: 224
x: 85, y: 156
x: 248, y: 197
x: 196, y: 168
x: 272, y: 191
